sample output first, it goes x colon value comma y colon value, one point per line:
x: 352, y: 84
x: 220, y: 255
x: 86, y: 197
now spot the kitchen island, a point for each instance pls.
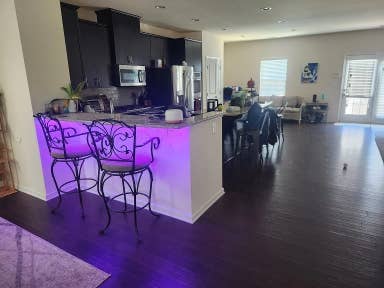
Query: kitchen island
x: 187, y: 168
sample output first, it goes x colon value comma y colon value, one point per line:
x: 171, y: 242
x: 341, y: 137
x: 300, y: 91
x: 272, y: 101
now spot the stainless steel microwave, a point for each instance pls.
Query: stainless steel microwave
x: 130, y: 75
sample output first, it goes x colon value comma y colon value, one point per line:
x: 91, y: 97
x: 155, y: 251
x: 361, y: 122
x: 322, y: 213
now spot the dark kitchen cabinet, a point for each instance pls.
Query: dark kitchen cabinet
x: 193, y: 54
x: 96, y: 55
x: 159, y: 48
x: 71, y: 35
x: 128, y: 45
x: 188, y: 50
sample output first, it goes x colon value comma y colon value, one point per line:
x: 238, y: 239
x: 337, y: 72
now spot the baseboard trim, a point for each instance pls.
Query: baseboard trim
x: 178, y: 214
x: 206, y: 206
x: 30, y: 191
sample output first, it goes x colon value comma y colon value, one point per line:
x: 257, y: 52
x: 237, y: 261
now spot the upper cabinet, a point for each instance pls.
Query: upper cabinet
x: 71, y: 35
x: 188, y: 50
x: 94, y: 49
x: 88, y: 52
x: 96, y: 54
x: 128, y: 45
x: 159, y: 48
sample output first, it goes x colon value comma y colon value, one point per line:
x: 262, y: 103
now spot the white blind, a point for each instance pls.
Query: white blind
x: 380, y: 95
x: 361, y: 77
x: 273, y: 77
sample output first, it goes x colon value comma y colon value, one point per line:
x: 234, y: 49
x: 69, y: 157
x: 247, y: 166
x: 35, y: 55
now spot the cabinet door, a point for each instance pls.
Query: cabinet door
x: 142, y: 50
x: 193, y: 54
x: 157, y: 47
x: 95, y: 50
x: 176, y: 48
x: 71, y: 35
x: 213, y: 77
x: 131, y: 47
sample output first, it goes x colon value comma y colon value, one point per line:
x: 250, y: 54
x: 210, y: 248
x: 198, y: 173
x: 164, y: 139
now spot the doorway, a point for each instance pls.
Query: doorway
x: 363, y: 90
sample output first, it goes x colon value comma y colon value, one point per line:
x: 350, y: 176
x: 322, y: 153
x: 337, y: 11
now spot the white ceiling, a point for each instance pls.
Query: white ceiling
x: 245, y: 20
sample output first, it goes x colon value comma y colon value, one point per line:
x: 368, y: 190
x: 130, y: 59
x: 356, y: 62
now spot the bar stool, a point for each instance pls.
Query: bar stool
x: 114, y: 146
x: 65, y: 146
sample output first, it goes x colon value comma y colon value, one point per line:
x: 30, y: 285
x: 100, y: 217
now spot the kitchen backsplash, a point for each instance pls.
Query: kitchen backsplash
x: 119, y: 96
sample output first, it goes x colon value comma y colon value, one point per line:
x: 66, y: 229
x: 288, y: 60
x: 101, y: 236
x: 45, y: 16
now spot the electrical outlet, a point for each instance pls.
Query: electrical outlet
x: 18, y: 139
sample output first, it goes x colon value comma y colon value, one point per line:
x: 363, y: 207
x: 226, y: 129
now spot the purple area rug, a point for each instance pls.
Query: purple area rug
x: 29, y: 261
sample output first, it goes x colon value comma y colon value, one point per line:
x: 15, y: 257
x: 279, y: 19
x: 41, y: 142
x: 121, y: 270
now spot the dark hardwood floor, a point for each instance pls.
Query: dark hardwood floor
x: 299, y: 221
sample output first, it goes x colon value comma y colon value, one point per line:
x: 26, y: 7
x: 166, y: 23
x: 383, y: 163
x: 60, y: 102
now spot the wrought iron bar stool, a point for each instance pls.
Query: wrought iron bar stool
x: 114, y: 145
x: 65, y: 146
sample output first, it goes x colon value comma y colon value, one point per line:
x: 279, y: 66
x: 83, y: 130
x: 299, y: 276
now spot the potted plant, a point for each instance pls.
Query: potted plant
x: 74, y: 95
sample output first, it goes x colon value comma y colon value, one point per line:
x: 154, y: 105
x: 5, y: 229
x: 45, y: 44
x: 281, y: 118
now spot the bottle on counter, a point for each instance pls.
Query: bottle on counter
x: 147, y: 101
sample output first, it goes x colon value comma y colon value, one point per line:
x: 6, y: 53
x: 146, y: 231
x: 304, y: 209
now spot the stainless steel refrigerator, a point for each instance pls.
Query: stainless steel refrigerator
x: 167, y: 87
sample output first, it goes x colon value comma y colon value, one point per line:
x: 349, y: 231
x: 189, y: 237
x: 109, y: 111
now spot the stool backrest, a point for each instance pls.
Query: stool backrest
x: 112, y: 140
x: 53, y: 132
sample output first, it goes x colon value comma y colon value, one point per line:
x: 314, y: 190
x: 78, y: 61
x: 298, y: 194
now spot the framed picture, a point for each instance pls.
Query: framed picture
x: 309, y: 74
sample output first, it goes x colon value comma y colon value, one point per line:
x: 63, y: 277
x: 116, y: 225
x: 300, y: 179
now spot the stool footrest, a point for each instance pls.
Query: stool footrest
x: 125, y: 211
x: 62, y: 186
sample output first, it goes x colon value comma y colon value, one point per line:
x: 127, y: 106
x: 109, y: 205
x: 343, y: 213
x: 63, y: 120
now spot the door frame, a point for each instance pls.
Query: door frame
x: 379, y: 75
x: 369, y: 117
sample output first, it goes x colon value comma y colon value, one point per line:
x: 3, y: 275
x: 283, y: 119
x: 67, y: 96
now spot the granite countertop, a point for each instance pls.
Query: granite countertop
x: 139, y: 120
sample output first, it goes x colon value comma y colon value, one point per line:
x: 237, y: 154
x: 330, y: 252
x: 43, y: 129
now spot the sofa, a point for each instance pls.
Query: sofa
x: 290, y: 106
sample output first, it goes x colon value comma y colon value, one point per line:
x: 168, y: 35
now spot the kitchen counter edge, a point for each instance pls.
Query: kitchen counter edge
x: 139, y: 121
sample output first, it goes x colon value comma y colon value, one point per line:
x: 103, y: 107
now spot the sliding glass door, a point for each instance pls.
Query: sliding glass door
x: 363, y: 90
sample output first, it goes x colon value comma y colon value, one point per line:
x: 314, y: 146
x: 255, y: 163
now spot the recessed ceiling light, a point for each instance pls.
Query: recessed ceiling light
x: 195, y: 19
x: 160, y: 7
x: 266, y: 9
x: 281, y: 21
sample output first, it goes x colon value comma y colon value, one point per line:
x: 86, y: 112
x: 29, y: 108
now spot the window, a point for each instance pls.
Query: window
x: 273, y: 77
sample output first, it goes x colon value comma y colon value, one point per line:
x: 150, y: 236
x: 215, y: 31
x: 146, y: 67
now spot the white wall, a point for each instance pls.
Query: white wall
x: 42, y: 39
x: 14, y: 83
x: 33, y: 66
x: 213, y: 46
x: 242, y: 61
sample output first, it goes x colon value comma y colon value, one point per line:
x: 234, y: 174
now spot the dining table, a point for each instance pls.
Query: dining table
x: 228, y: 129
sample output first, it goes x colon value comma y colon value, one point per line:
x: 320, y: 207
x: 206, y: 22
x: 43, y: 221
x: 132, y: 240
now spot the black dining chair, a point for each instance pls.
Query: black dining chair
x: 253, y: 129
x: 119, y: 156
x: 69, y: 146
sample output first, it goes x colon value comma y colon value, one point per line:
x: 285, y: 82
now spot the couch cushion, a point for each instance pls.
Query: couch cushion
x: 277, y: 101
x: 292, y: 110
x: 291, y: 101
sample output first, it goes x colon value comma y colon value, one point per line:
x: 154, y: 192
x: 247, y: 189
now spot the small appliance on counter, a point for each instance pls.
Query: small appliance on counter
x: 174, y: 116
x: 97, y: 103
x: 212, y: 104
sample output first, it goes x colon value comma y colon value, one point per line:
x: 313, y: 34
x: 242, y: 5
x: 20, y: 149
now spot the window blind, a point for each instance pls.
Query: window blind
x: 380, y: 95
x: 361, y: 78
x: 273, y: 77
